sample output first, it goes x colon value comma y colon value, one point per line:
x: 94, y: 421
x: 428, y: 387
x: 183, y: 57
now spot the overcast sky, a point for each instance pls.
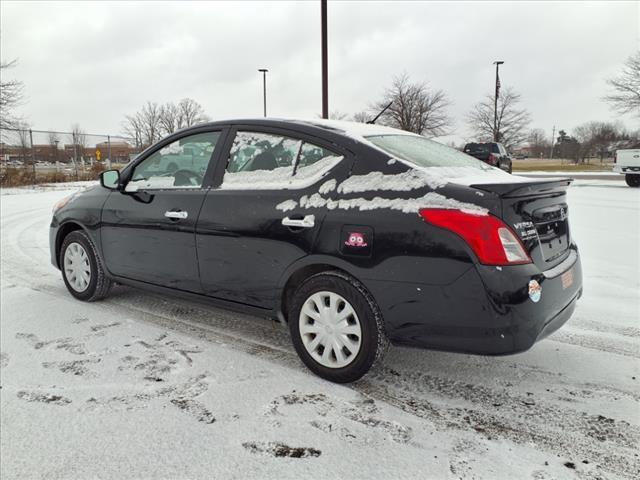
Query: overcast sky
x: 91, y: 63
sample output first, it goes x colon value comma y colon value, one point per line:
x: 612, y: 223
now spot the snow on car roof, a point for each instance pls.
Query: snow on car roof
x: 354, y: 129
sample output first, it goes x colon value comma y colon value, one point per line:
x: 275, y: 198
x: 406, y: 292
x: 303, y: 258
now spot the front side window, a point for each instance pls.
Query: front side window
x: 262, y: 161
x: 181, y: 164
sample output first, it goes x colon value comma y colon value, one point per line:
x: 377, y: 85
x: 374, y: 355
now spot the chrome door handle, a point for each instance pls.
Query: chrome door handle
x: 180, y: 214
x: 307, y: 222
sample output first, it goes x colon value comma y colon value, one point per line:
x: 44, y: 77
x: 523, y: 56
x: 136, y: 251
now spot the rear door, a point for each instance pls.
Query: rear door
x: 148, y: 231
x: 252, y: 225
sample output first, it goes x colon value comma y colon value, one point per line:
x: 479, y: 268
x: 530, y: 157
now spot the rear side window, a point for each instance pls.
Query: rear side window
x: 424, y: 152
x: 261, y: 161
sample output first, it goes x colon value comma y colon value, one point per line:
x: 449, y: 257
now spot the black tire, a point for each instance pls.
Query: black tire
x: 99, y: 284
x: 510, y: 168
x: 633, y: 180
x: 374, y: 342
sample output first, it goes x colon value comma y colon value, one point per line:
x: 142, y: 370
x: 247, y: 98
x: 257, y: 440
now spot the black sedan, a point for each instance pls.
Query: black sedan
x: 355, y: 235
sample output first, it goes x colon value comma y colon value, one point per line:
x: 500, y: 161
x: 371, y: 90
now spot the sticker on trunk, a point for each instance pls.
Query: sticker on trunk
x: 535, y: 291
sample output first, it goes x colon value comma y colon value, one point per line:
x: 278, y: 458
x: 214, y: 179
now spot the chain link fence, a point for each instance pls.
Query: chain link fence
x: 29, y: 157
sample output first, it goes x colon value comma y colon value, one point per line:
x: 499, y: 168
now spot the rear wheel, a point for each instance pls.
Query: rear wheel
x: 633, y: 180
x: 336, y: 327
x: 82, y: 269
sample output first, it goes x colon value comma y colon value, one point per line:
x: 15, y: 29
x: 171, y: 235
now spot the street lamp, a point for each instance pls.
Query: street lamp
x: 496, y: 136
x: 264, y: 88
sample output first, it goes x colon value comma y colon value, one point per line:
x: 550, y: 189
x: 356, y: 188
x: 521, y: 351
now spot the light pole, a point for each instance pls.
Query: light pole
x: 496, y: 134
x: 325, y: 61
x: 264, y: 88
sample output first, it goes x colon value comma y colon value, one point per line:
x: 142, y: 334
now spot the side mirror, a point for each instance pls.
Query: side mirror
x: 110, y: 179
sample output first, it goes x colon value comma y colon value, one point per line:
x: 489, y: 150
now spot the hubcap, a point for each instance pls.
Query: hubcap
x: 77, y: 268
x: 330, y: 329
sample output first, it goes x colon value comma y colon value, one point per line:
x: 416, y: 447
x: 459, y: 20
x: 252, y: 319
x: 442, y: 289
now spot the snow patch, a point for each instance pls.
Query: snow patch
x: 400, y: 182
x: 411, y: 205
x: 328, y: 186
x: 287, y: 205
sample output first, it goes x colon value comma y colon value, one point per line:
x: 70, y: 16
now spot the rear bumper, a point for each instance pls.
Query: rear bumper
x: 486, y: 311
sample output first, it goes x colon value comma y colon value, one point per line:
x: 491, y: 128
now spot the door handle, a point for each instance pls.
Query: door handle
x: 307, y: 222
x: 176, y: 215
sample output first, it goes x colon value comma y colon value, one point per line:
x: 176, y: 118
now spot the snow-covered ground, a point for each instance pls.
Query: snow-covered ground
x: 141, y: 386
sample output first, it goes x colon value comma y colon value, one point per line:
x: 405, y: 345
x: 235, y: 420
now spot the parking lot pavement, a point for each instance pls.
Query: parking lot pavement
x: 143, y: 386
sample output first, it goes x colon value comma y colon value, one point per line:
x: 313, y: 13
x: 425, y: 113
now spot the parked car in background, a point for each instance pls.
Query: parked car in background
x: 627, y: 162
x: 354, y: 235
x: 491, y: 153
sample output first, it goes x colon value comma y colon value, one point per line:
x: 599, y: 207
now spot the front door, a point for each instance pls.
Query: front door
x: 148, y: 230
x: 253, y: 226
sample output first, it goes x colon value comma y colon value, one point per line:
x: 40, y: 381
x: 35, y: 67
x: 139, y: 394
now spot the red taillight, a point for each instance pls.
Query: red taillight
x: 493, y: 242
x: 492, y: 159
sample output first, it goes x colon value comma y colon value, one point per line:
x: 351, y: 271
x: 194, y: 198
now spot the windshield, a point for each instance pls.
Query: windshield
x: 424, y: 152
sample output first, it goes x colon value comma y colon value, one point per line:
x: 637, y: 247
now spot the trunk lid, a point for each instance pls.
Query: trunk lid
x: 537, y: 212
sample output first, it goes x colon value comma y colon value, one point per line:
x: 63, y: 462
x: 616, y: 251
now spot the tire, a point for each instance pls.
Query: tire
x: 633, y: 180
x: 98, y: 285
x: 366, y: 315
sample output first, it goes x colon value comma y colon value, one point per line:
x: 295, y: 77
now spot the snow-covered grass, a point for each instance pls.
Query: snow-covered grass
x: 141, y: 386
x: 47, y: 187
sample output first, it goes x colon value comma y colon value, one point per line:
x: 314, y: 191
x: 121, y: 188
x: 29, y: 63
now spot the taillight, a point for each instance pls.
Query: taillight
x: 492, y: 159
x: 493, y: 242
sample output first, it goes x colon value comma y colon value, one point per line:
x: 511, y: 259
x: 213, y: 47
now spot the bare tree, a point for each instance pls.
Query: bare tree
x: 149, y: 119
x: 132, y: 127
x: 24, y: 139
x: 79, y: 142
x: 362, y: 117
x: 538, y: 143
x: 512, y: 122
x: 625, y: 97
x: 191, y: 113
x: 170, y: 118
x: 416, y: 107
x: 595, y: 138
x: 11, y: 95
x: 54, y: 140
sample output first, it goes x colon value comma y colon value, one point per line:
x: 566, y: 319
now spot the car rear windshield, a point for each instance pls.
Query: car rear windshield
x: 424, y: 152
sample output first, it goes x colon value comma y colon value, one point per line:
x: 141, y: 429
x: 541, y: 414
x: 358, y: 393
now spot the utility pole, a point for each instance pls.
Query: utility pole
x: 496, y: 134
x: 553, y: 137
x: 33, y: 156
x: 264, y: 89
x: 109, y: 151
x: 325, y: 67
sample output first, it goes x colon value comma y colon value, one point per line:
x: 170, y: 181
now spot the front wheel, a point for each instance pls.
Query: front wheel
x: 336, y: 327
x: 82, y: 269
x: 633, y: 180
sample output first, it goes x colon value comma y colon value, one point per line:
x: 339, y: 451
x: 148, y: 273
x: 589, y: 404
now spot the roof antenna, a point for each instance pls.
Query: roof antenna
x: 371, y: 122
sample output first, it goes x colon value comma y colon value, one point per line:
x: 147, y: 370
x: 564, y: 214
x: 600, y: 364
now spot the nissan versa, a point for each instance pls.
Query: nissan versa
x: 355, y: 235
